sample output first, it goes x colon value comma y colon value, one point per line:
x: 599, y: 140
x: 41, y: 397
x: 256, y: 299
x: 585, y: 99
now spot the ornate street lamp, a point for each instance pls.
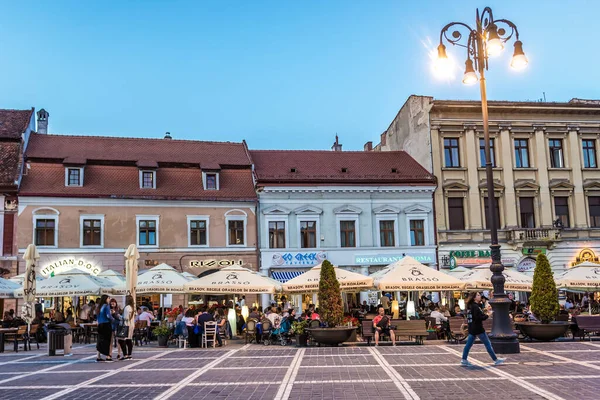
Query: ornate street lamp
x: 488, y: 39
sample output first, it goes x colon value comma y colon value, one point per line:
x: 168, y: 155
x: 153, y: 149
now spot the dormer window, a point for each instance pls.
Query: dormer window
x: 211, y: 180
x: 148, y: 179
x: 74, y: 176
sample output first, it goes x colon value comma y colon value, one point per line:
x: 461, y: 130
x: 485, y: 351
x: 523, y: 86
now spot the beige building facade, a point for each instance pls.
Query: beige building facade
x: 546, y: 177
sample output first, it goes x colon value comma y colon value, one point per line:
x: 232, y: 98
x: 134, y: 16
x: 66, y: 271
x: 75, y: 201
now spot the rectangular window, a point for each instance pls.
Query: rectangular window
x: 44, y: 232
x: 451, y: 154
x: 211, y: 181
x: 561, y: 210
x: 417, y: 232
x: 92, y: 232
x: 556, y: 153
x: 589, y: 153
x: 276, y: 234
x: 386, y: 233
x: 594, y: 204
x: 456, y: 213
x: 236, y: 232
x: 348, y: 233
x: 482, y: 152
x: 74, y: 176
x: 496, y: 213
x: 148, y: 179
x: 522, y: 153
x: 527, y: 213
x: 198, y: 233
x: 147, y: 232
x: 308, y: 234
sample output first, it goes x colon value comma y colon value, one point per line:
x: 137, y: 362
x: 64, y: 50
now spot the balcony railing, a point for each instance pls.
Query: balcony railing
x: 533, y: 235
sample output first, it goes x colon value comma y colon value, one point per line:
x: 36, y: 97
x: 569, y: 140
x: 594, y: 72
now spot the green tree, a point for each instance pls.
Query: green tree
x: 544, y: 295
x: 331, y: 308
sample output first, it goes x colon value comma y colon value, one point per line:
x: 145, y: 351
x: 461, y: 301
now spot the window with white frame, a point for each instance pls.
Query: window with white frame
x: 210, y: 180
x: 45, y: 228
x: 147, y: 179
x: 308, y: 234
x: 147, y: 230
x: 277, y: 234
x: 91, y: 228
x: 74, y: 176
x: 417, y: 225
x: 417, y: 232
x: 198, y: 230
x: 236, y: 230
x: 387, y: 233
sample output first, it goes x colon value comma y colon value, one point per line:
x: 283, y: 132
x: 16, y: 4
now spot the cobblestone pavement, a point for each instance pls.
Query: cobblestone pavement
x: 565, y: 370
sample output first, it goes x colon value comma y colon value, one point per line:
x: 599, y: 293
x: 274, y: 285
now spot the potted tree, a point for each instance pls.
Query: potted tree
x: 332, y: 310
x: 299, y: 329
x: 544, y: 305
x: 162, y: 332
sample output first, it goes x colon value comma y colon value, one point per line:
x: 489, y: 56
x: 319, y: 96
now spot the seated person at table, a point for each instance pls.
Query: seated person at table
x: 203, y: 317
x: 221, y: 326
x: 381, y: 325
x: 69, y: 318
x: 190, y: 324
x: 439, y: 316
x: 315, y: 315
x: 85, y: 314
x: 291, y: 315
x: 254, y: 313
x: 59, y: 317
x: 274, y: 318
x: 144, y: 316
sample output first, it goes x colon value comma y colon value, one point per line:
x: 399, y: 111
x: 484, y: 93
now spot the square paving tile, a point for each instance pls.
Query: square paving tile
x: 172, y: 364
x: 139, y: 377
x: 521, y: 357
x: 445, y: 358
x: 41, y: 379
x: 565, y: 370
x: 89, y: 365
x: 337, y: 360
x: 26, y: 367
x: 242, y: 375
x: 267, y: 352
x: 113, y: 392
x: 575, y: 345
x: 350, y: 391
x: 192, y: 353
x: 340, y: 373
x: 454, y: 371
x: 410, y: 349
x: 577, y: 356
x: 29, y: 394
x: 314, y: 351
x: 231, y: 392
x: 475, y: 388
x: 570, y: 388
x: 256, y: 362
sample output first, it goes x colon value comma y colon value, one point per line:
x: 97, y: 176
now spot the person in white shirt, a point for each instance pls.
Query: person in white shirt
x: 243, y: 301
x: 568, y: 304
x: 439, y: 317
x: 385, y: 303
x: 274, y: 318
x: 86, y: 311
x: 144, y: 316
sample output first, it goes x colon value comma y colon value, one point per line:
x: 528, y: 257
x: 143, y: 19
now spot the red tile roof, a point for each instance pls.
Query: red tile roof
x: 13, y: 123
x: 326, y: 167
x: 9, y: 163
x: 46, y: 179
x: 119, y: 149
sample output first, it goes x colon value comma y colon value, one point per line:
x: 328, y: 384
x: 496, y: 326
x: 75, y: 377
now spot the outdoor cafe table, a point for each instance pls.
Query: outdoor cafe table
x: 87, y: 327
x: 2, y: 332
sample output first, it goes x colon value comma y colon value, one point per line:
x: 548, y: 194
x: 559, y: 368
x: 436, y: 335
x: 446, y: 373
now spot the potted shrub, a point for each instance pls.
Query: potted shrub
x: 172, y: 314
x: 332, y: 310
x: 544, y: 305
x: 299, y: 329
x: 162, y: 333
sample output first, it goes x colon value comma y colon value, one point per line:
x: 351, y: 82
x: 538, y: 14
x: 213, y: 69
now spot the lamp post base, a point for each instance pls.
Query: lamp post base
x: 504, y: 339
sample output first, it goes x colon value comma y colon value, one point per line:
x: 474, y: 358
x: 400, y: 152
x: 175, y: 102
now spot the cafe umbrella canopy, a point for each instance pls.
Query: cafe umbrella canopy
x: 309, y: 281
x: 410, y: 275
x: 160, y: 279
x: 7, y: 288
x: 479, y: 278
x: 73, y: 282
x: 233, y: 279
x: 584, y: 276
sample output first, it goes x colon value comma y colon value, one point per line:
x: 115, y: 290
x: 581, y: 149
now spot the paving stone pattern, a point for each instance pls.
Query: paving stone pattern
x: 565, y: 370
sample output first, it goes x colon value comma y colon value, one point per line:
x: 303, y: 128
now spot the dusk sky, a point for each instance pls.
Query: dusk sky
x: 279, y: 74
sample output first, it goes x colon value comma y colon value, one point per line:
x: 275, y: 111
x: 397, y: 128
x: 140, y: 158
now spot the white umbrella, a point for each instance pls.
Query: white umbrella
x: 584, y: 276
x: 234, y: 279
x: 19, y: 279
x: 113, y: 276
x: 7, y: 288
x: 73, y: 282
x: 131, y: 269
x: 29, y: 284
x: 410, y: 275
x: 456, y: 271
x: 309, y: 281
x: 189, y: 275
x: 160, y: 279
x: 479, y: 278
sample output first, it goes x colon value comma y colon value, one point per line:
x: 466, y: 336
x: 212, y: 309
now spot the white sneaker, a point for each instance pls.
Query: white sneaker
x: 499, y: 361
x: 465, y: 363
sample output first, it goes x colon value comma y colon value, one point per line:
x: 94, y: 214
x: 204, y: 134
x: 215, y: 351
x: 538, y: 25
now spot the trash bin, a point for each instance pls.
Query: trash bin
x: 59, y: 338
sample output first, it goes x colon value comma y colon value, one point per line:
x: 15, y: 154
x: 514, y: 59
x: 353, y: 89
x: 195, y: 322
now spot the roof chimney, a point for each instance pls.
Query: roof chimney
x: 368, y: 146
x: 168, y: 136
x: 42, y: 122
x: 336, y: 146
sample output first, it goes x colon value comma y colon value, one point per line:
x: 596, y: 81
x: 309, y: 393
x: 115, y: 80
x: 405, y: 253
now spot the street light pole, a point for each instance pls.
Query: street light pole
x: 482, y: 42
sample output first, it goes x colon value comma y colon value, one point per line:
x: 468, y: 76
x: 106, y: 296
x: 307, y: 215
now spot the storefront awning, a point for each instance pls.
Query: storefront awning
x: 284, y: 276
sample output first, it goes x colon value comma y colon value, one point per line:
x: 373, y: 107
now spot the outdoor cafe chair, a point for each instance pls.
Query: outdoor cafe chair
x: 209, y: 334
x: 19, y: 336
x: 251, y: 330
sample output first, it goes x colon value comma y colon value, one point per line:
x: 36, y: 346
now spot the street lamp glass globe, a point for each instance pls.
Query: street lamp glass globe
x: 519, y: 61
x: 470, y: 77
x: 494, y: 44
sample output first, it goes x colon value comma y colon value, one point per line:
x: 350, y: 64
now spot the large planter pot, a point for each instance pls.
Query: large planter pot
x: 301, y: 340
x: 332, y: 336
x: 353, y: 337
x: 163, y: 341
x: 543, y: 332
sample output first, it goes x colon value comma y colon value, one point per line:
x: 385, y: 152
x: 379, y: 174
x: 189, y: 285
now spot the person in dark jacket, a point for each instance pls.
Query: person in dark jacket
x: 475, y: 318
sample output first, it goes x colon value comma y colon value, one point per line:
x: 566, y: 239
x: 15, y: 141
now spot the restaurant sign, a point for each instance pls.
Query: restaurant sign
x: 214, y: 263
x: 303, y: 258
x: 473, y: 258
x: 379, y: 259
x: 66, y: 264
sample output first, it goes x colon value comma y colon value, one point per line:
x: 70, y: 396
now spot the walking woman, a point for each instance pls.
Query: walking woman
x: 126, y: 343
x: 105, y: 319
x: 475, y: 318
x: 116, y: 314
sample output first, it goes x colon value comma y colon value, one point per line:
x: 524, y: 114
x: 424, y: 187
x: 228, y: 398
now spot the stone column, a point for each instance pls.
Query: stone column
x: 473, y: 207
x: 364, y: 295
x: 545, y: 206
x: 265, y: 299
x: 577, y: 206
x: 504, y: 159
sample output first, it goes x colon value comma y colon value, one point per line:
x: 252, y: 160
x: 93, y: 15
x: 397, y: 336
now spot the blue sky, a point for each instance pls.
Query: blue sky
x: 280, y: 74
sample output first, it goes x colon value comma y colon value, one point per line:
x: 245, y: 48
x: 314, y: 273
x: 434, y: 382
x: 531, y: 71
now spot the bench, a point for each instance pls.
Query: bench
x: 457, y: 330
x: 368, y: 331
x: 587, y: 325
x: 411, y: 328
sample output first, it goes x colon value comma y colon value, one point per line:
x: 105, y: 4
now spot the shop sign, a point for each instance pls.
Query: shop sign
x: 214, y: 263
x: 303, y: 258
x: 473, y: 258
x: 379, y: 259
x: 585, y: 255
x: 533, y: 251
x: 526, y: 264
x: 66, y: 264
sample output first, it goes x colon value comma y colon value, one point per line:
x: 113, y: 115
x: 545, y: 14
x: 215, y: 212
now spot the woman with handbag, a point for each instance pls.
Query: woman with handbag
x: 105, y: 318
x: 115, y: 312
x: 125, y: 332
